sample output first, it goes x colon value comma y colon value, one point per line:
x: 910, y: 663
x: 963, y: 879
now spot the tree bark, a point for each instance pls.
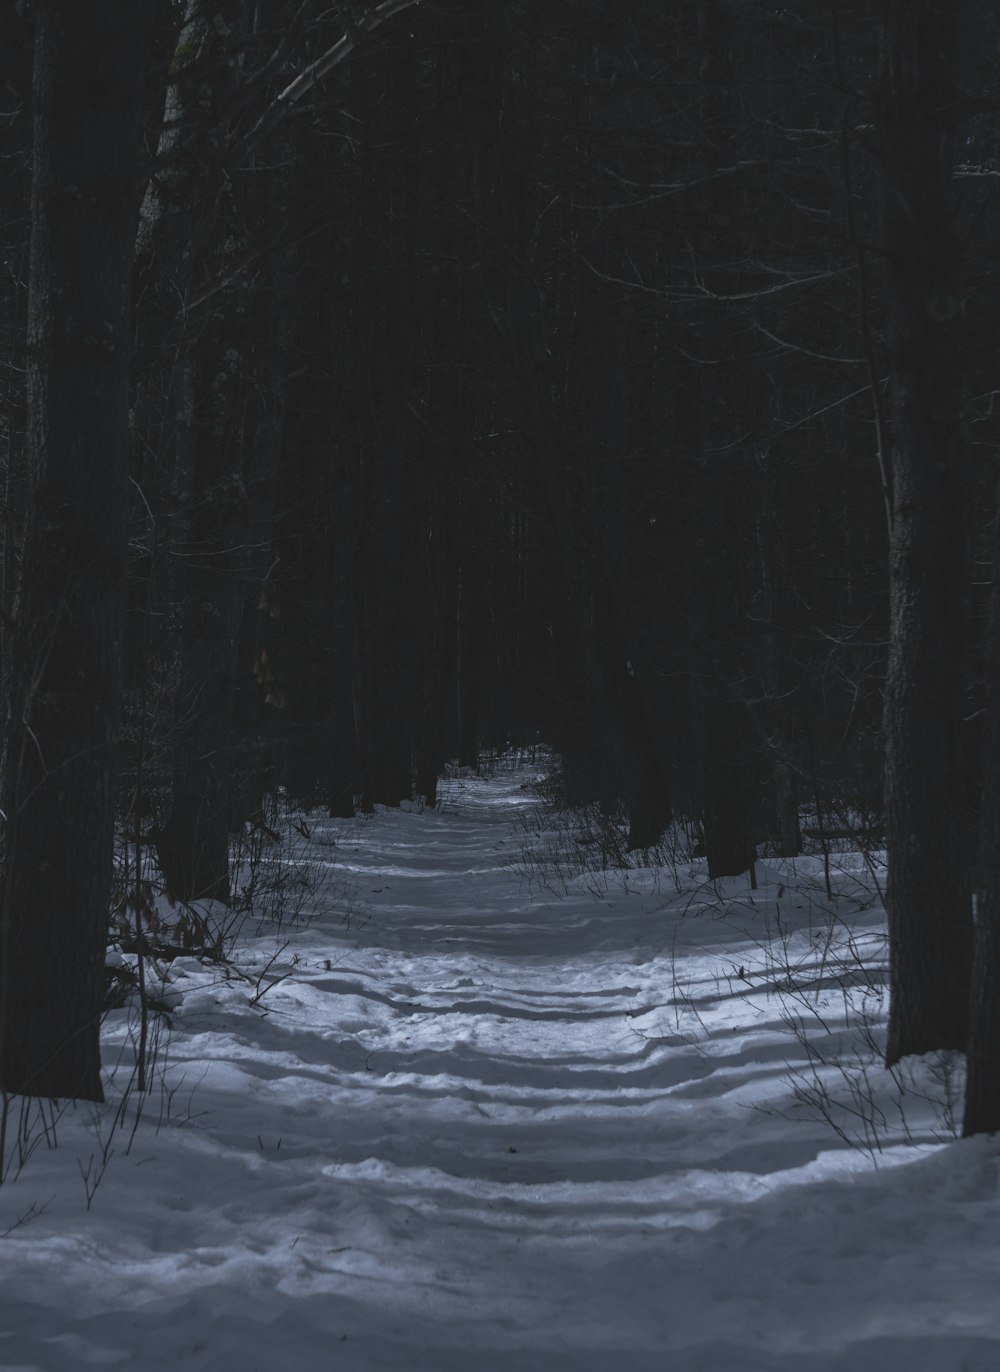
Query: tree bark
x: 469, y: 659
x: 928, y: 893
x: 63, y: 720
x: 982, y: 1085
x: 386, y: 683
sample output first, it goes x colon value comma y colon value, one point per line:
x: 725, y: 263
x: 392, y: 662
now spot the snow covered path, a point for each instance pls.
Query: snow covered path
x: 490, y: 1128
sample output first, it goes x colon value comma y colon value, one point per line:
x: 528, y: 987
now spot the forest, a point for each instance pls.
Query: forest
x: 387, y: 386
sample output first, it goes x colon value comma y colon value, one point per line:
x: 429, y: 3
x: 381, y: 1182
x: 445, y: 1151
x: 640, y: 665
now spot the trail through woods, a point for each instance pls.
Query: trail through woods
x: 490, y: 1125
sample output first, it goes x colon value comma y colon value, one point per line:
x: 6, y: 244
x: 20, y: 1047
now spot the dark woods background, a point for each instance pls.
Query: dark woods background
x: 541, y: 371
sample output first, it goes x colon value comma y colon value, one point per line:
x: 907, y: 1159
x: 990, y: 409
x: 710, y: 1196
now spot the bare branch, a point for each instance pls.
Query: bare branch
x: 278, y: 60
x: 793, y: 281
x: 285, y: 100
x: 807, y: 352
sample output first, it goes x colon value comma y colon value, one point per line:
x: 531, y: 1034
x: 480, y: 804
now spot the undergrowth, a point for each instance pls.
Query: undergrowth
x: 560, y: 848
x: 283, y: 872
x: 810, y: 950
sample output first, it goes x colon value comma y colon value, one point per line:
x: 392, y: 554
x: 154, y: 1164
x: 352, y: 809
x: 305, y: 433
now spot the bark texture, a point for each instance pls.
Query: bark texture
x: 928, y: 900
x: 982, y: 1085
x: 66, y: 676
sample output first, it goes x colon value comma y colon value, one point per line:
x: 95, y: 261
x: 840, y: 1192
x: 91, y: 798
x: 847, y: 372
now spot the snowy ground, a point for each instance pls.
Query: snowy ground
x: 497, y: 1126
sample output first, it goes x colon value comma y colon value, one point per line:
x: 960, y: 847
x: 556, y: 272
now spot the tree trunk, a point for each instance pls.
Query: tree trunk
x: 385, y: 321
x: 470, y: 614
x: 982, y: 1086
x: 928, y: 892
x: 725, y: 763
x: 190, y: 412
x: 88, y: 89
x: 787, y: 808
x: 193, y: 847
x: 719, y: 592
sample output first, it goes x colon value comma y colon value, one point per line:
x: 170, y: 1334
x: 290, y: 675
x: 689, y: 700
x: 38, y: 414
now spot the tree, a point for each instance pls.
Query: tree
x: 928, y: 893
x: 199, y: 250
x: 63, y: 715
x: 982, y: 1090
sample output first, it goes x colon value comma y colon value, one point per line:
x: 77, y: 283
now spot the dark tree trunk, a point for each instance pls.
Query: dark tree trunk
x: 190, y: 413
x: 263, y: 667
x: 15, y: 196
x: 193, y: 846
x: 470, y: 616
x: 63, y: 718
x: 928, y: 891
x: 315, y: 542
x: 229, y: 686
x: 725, y: 763
x: 719, y: 593
x: 341, y: 781
x: 437, y: 635
x: 385, y: 678
x: 208, y: 589
x: 787, y: 808
x: 982, y: 1087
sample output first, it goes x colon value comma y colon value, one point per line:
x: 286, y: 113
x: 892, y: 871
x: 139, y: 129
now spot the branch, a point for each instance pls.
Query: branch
x: 279, y: 58
x: 825, y: 409
x: 314, y: 73
x: 702, y: 291
x: 864, y: 291
x: 662, y: 190
x: 806, y: 352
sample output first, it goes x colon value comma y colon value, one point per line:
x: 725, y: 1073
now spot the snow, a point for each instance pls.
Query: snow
x: 490, y: 1125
